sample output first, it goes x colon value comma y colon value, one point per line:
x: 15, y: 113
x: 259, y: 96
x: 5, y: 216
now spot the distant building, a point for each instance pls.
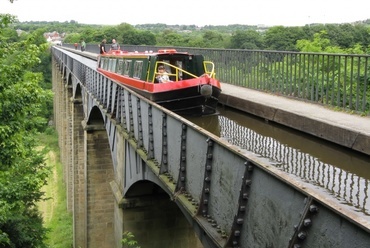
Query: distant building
x: 19, y: 31
x: 262, y: 28
x: 54, y: 37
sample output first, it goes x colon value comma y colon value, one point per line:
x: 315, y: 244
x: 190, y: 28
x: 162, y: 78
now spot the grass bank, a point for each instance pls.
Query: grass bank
x: 56, y: 217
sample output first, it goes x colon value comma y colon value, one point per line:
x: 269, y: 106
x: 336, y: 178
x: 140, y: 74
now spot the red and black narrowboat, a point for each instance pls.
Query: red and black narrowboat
x: 192, y: 89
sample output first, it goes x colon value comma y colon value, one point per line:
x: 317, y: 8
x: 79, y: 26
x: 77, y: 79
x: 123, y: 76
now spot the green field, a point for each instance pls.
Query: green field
x: 54, y: 210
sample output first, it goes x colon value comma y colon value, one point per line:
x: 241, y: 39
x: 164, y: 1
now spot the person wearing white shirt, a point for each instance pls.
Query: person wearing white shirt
x: 162, y: 75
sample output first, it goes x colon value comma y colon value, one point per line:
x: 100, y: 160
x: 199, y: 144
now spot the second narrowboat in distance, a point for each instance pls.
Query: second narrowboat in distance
x: 181, y: 82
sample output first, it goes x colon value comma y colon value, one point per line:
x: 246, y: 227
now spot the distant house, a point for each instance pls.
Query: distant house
x: 19, y: 31
x: 54, y: 37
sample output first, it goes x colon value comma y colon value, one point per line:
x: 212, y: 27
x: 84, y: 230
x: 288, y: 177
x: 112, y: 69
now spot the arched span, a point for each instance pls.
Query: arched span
x: 77, y: 96
x: 137, y: 173
x: 149, y: 210
x: 95, y: 117
x: 69, y: 78
x: 145, y: 188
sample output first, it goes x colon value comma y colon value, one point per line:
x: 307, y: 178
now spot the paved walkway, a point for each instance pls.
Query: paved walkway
x: 349, y: 130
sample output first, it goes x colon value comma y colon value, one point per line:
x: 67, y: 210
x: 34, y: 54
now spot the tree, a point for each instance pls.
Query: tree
x: 135, y: 37
x: 110, y: 33
x: 171, y: 38
x: 88, y: 34
x: 10, y: 35
x: 72, y: 38
x: 249, y: 39
x: 22, y: 168
x: 320, y: 43
x: 347, y: 91
x: 283, y: 38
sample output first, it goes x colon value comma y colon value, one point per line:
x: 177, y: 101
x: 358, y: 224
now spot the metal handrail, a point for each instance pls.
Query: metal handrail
x: 211, y: 73
x: 172, y: 74
x: 341, y: 81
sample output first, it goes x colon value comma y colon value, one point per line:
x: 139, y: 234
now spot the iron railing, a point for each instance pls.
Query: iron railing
x: 341, y: 81
x: 349, y: 187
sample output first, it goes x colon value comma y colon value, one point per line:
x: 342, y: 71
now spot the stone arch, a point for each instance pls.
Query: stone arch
x: 155, y: 219
x: 69, y: 78
x: 95, y: 117
x: 77, y: 96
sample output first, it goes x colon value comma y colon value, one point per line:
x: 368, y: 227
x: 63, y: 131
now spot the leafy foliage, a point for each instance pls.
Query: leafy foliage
x: 128, y: 240
x: 22, y: 168
x: 234, y: 36
x: 247, y: 40
x: 338, y: 83
x: 321, y: 72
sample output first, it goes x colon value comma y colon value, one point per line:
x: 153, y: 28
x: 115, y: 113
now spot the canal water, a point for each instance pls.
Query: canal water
x: 343, y: 172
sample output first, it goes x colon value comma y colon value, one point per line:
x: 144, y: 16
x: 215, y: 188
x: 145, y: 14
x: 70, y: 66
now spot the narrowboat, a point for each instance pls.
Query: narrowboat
x: 192, y: 88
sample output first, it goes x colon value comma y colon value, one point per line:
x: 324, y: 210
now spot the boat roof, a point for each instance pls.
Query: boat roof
x: 120, y: 53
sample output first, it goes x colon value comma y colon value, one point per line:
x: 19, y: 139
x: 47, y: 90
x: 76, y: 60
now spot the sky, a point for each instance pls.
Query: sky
x: 190, y: 12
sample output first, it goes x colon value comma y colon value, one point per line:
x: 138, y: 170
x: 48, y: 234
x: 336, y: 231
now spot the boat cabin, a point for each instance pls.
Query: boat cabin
x: 143, y: 66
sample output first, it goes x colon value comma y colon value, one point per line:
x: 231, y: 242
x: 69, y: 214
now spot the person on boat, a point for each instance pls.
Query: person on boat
x: 102, y: 46
x: 115, y: 45
x: 162, y: 75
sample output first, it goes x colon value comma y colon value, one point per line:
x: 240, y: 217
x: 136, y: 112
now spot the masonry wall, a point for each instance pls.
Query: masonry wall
x: 100, y: 200
x: 119, y: 182
x: 78, y: 190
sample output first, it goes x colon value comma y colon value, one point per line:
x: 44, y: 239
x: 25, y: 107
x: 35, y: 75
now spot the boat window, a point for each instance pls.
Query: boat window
x: 126, y: 67
x: 166, y: 66
x: 112, y: 64
x: 138, y: 68
x: 103, y: 63
x: 120, y: 66
x: 175, y: 74
x: 178, y: 63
